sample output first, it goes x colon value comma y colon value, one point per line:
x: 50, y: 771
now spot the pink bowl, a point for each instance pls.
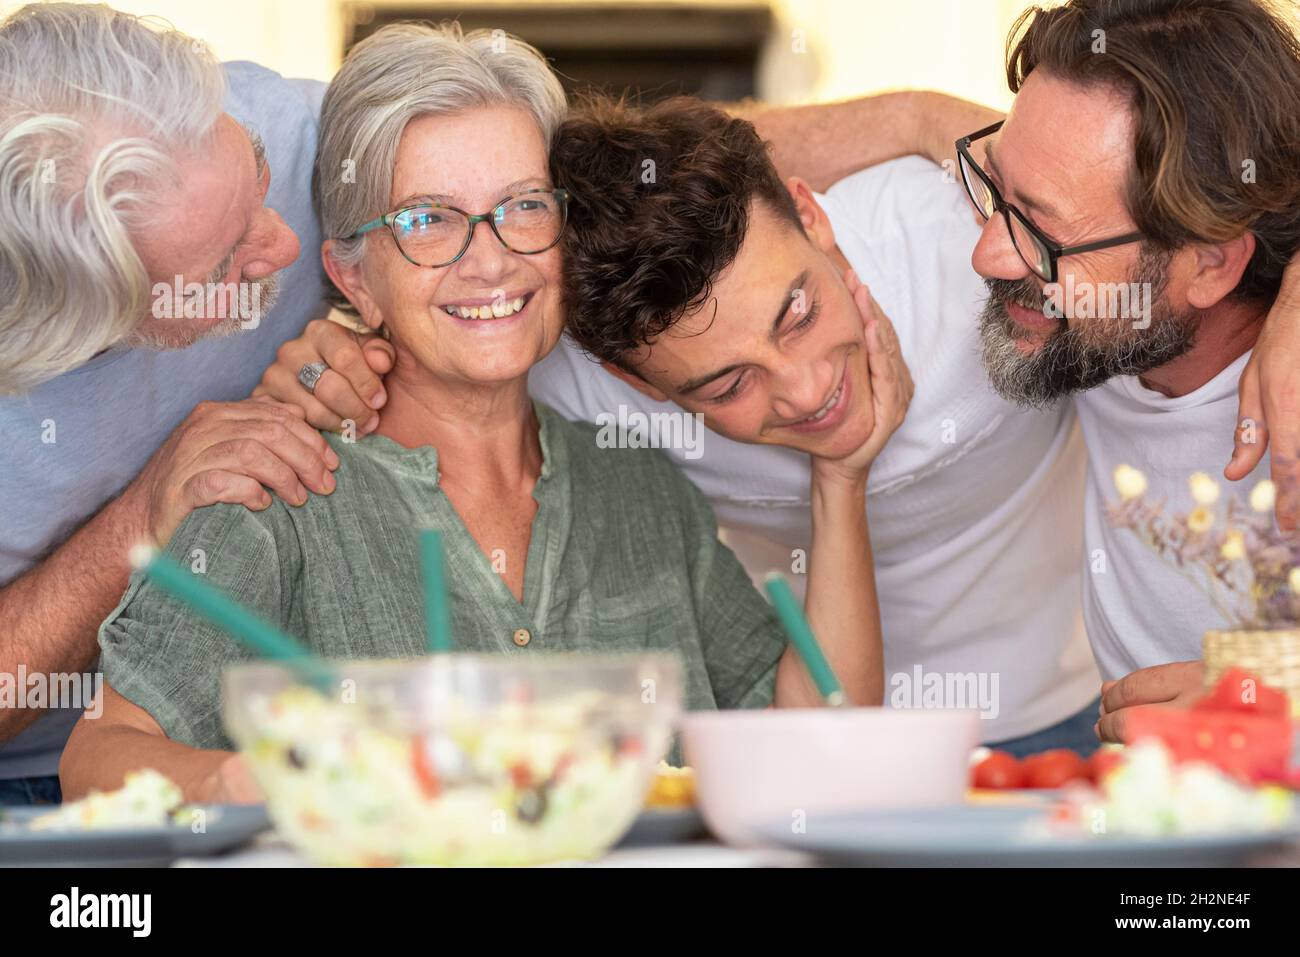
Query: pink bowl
x: 763, y: 767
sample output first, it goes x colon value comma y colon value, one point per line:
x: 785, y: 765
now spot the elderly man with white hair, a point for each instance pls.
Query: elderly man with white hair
x: 140, y: 223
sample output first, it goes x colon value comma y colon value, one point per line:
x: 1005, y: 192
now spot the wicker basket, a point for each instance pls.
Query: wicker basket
x: 1273, y: 656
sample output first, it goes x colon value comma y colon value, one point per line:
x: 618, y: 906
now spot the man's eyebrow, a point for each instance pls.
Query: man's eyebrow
x: 223, y: 267
x: 1040, y: 206
x: 259, y: 150
x: 699, y: 382
x: 795, y: 288
x: 694, y: 385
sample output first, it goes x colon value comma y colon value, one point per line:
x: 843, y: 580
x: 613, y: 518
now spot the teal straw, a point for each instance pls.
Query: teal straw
x: 437, y: 608
x: 801, y: 636
x: 231, y: 617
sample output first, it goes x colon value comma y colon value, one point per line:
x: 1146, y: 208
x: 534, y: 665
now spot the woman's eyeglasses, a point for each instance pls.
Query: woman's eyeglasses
x: 433, y: 235
x: 1039, y: 253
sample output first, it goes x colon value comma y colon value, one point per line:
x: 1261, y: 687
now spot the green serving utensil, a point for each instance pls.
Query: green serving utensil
x: 805, y: 643
x: 231, y: 617
x: 437, y: 606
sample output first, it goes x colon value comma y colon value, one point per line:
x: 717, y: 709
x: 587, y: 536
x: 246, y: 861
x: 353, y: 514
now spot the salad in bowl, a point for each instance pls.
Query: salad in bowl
x: 456, y: 759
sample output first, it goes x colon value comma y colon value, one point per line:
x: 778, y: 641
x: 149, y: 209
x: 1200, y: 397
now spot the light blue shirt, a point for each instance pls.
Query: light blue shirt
x: 109, y: 415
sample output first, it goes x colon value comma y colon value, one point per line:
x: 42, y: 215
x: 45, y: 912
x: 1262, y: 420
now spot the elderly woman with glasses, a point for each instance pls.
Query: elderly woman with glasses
x: 432, y: 175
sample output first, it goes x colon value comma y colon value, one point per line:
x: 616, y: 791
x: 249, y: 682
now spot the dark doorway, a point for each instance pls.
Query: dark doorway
x: 650, y: 50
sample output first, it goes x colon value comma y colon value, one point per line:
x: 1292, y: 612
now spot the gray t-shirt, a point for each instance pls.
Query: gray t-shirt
x: 107, y: 417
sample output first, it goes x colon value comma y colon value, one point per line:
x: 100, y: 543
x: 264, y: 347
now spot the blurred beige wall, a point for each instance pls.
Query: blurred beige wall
x: 820, y: 49
x: 872, y: 45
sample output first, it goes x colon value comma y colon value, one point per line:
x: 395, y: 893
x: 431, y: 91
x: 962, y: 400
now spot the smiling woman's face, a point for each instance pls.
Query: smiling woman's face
x: 472, y: 161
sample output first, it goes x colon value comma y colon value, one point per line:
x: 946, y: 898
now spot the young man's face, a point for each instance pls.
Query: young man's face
x: 777, y: 355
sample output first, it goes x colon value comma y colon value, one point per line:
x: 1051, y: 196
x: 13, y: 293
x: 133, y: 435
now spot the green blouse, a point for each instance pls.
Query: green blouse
x: 624, y: 555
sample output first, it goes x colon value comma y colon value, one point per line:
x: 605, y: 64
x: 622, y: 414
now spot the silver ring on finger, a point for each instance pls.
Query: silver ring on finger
x: 310, y: 374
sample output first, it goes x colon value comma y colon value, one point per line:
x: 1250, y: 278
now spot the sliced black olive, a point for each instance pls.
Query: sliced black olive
x: 531, y: 805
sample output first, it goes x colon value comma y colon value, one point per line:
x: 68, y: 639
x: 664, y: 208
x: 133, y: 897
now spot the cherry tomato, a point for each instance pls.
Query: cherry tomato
x: 1052, y: 769
x: 997, y: 772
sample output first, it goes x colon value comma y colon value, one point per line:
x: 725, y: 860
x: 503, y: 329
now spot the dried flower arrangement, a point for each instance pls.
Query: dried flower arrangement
x: 1232, y: 551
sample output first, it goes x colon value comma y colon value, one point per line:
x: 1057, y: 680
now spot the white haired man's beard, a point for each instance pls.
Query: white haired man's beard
x: 1083, y: 355
x: 242, y: 312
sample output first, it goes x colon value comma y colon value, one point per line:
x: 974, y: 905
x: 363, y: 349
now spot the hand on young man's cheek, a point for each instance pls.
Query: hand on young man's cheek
x: 891, y: 385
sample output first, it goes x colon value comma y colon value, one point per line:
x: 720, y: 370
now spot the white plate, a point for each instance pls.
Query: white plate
x: 993, y: 836
x: 226, y: 826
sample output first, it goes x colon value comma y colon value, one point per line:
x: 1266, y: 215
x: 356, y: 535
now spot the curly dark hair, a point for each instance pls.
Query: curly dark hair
x: 659, y: 205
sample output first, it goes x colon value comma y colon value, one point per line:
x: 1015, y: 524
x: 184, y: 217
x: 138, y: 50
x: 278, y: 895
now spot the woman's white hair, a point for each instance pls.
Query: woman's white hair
x: 95, y: 106
x: 401, y: 72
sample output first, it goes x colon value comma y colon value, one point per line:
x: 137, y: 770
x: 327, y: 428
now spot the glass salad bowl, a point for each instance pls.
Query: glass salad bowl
x: 455, y: 759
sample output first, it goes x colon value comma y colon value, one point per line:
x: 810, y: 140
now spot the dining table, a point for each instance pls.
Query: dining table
x: 271, y: 850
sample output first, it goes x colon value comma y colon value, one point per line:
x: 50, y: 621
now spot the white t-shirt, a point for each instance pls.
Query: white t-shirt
x: 1139, y: 610
x: 975, y: 506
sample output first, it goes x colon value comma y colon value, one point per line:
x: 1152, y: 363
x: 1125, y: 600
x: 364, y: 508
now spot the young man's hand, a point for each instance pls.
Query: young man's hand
x: 351, y: 389
x: 1268, y: 410
x: 1177, y: 683
x: 891, y: 387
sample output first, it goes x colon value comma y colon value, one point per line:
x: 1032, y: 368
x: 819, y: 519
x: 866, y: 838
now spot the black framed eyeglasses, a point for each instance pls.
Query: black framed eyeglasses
x: 1039, y: 253
x: 434, y: 234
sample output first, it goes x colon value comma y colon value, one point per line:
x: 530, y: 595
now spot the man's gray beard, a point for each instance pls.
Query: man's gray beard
x: 1067, y: 362
x: 180, y: 336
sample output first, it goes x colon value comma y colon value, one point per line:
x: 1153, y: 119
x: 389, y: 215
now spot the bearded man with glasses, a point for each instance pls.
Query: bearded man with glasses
x: 1152, y: 154
x: 1151, y: 147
